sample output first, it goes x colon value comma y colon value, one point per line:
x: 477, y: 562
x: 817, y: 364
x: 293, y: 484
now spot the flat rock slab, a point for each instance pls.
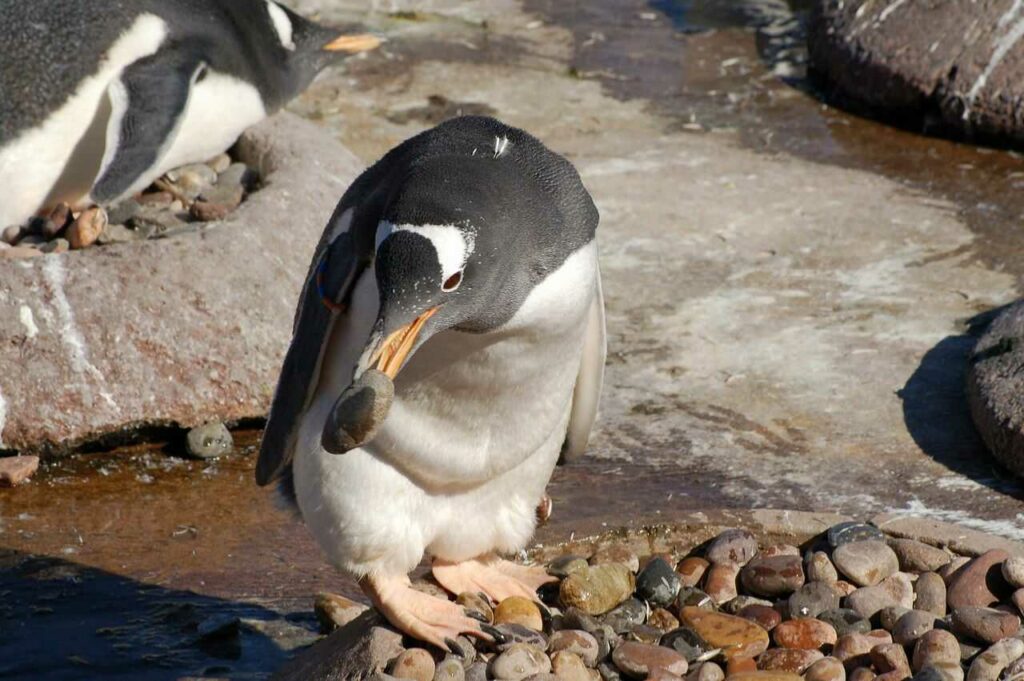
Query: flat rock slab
x: 172, y: 332
x: 957, y: 64
x: 995, y: 387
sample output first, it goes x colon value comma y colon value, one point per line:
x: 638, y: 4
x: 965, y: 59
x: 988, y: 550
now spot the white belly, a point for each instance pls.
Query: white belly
x: 473, y: 435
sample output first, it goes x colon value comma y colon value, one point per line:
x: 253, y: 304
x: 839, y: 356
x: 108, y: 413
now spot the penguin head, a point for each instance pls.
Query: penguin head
x: 303, y: 48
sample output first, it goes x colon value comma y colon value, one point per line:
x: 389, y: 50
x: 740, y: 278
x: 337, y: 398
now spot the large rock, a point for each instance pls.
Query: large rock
x: 356, y: 651
x: 177, y: 331
x: 995, y: 387
x: 953, y: 64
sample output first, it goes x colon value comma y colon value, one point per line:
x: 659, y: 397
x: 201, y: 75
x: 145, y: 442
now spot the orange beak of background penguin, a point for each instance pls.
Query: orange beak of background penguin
x: 395, y: 349
x: 353, y: 43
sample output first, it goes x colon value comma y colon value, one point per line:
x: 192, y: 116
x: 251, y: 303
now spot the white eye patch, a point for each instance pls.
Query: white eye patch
x: 450, y: 242
x: 282, y: 24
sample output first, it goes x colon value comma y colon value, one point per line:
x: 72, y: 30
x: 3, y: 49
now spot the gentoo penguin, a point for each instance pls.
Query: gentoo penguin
x: 100, y: 97
x: 463, y: 266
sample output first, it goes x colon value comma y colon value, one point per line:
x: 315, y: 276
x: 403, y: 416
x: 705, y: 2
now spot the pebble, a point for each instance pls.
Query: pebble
x: 691, y: 570
x: 950, y: 569
x: 894, y: 590
x: 475, y: 602
x: 563, y: 566
x: 843, y: 533
x: 788, y: 660
x: 519, y: 662
x: 56, y: 246
x: 971, y: 584
x: 1018, y: 600
x: 20, y: 253
x: 626, y: 615
x: 84, y: 231
x: 734, y: 547
x: 812, y: 599
x: 853, y: 649
x: 930, y: 593
x: 916, y: 556
x: 988, y: 665
x: 826, y: 669
x: 575, y: 641
x: 415, y: 664
x: 820, y: 568
x: 862, y: 674
x: 616, y: 553
x: 721, y: 582
x: 15, y: 470
x: 890, y: 615
x: 519, y: 610
x: 740, y: 665
x: 597, y: 589
x: 689, y: 596
x: 517, y: 633
x: 764, y: 676
x: 608, y: 672
x: 645, y: 633
x: 662, y: 619
x: 734, y: 606
x: 451, y: 669
x: 764, y: 616
x: 209, y: 440
x: 804, y: 634
x: 1013, y: 571
x: 940, y: 672
x: 865, y: 563
x: 658, y: 583
x: 240, y: 174
x: 984, y: 624
x: 638, y: 659
x: 843, y: 588
x: 686, y: 642
x: 890, y: 657
x: 936, y: 647
x: 190, y: 180
x: 219, y: 163
x: 737, y: 637
x: 912, y: 626
x: 773, y: 576
x: 846, y: 621
x: 333, y: 611
x: 569, y: 666
x: 705, y: 671
x: 662, y: 675
x: 12, y: 234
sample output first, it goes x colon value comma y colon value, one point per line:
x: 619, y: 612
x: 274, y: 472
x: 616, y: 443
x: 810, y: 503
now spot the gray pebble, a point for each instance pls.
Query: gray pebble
x: 625, y: 616
x: 812, y: 599
x: 209, y: 440
x: 845, y: 621
x: 732, y: 546
x: 844, y: 533
x: 449, y: 669
x: 686, y: 642
x: 658, y: 583
x: 912, y: 626
x: 518, y: 662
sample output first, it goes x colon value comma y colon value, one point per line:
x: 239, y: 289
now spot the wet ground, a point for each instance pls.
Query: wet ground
x: 786, y: 287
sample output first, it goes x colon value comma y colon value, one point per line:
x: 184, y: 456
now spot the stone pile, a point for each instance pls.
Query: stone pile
x: 173, y: 204
x: 853, y: 604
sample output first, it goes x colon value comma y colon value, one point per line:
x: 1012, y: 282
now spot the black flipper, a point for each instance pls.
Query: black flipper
x: 151, y: 96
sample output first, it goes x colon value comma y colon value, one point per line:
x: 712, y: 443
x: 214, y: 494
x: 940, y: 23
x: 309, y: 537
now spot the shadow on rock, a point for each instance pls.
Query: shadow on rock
x: 937, y: 414
x: 62, y: 620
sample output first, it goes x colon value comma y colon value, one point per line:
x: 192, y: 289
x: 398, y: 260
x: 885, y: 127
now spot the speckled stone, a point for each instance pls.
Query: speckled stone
x: 865, y: 563
x: 890, y: 657
x: 984, y: 624
x: 597, y: 589
x: 638, y: 659
x: 912, y: 626
x: 819, y: 568
x: 846, y: 621
x: 658, y: 583
x: 662, y: 619
x: 916, y: 556
x: 721, y: 582
x: 826, y: 669
x: 519, y: 662
x: 773, y: 576
x: 626, y: 615
x: 519, y: 610
x: 979, y: 583
x: 762, y: 615
x: 804, y: 634
x: 930, y: 593
x: 415, y: 664
x: 691, y: 570
x: 575, y: 641
x: 988, y: 665
x: 732, y: 546
x: 894, y: 590
x: 686, y: 642
x: 788, y: 659
x: 847, y: 532
x: 936, y: 647
x: 811, y: 599
x: 736, y: 636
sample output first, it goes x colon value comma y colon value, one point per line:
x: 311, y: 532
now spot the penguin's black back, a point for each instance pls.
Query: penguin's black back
x: 51, y: 46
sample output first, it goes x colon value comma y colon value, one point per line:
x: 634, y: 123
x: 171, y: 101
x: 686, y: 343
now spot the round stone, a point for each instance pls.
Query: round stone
x: 890, y: 657
x: 637, y: 660
x: 894, y: 590
x: 804, y: 634
x: 705, y: 671
x: 930, y: 593
x: 734, y: 606
x: 477, y: 671
x: 519, y: 610
x: 813, y: 598
x: 519, y: 662
x: 720, y: 584
x: 984, y: 624
x: 563, y: 566
x: 575, y: 641
x: 691, y: 570
x: 912, y: 626
x: 451, y: 669
x: 87, y: 227
x: 935, y: 647
x: 846, y: 532
x: 916, y: 556
x: 415, y: 664
x: 990, y: 664
x: 865, y: 563
x: 819, y: 568
x: 773, y: 576
x: 686, y: 642
x: 890, y: 615
x: 568, y: 666
x: 616, y: 553
x: 846, y: 621
x: 658, y: 583
x: 826, y: 669
x: 788, y: 660
x: 732, y: 546
x: 689, y: 596
x: 209, y: 440
x: 1013, y: 571
x: 764, y: 616
x: 737, y: 637
x: 662, y: 619
x: 597, y: 589
x: 853, y: 650
x: 626, y: 615
x: 976, y: 584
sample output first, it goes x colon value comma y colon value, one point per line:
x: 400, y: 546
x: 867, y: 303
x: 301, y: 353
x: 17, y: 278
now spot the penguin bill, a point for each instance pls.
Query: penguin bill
x: 395, y: 349
x: 353, y: 43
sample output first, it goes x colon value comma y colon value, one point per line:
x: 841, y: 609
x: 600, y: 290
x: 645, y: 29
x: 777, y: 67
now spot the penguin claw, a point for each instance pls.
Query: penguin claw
x: 494, y: 633
x: 453, y: 647
x: 479, y: 617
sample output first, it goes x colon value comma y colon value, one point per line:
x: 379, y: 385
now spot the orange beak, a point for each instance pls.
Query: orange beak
x: 361, y: 42
x: 393, y: 352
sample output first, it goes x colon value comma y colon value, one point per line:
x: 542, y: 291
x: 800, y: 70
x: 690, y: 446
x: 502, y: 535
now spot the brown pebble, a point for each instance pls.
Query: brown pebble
x: 804, y: 634
x: 737, y: 637
x: 896, y: 589
x: 853, y: 649
x: 916, y: 556
x: 705, y: 671
x: 639, y: 659
x: 732, y: 546
x: 15, y: 470
x: 1013, y: 571
x: 616, y: 553
x: 843, y: 588
x: 739, y: 665
x: 984, y: 624
x: 519, y: 610
x: 87, y: 227
x: 1018, y: 600
x: 763, y: 676
x: 788, y: 659
x: 662, y: 675
x: 931, y: 594
x: 780, y: 550
x: 865, y: 563
x: 598, y: 589
x: 861, y: 674
x: 890, y: 657
x: 576, y: 641
x: 764, y: 616
x: 974, y: 584
x: 935, y: 647
x: 773, y: 576
x: 415, y: 664
x: 892, y: 676
x: 820, y: 568
x: 568, y: 666
x: 721, y: 582
x: 662, y: 619
x: 826, y: 669
x: 333, y: 611
x: 691, y: 570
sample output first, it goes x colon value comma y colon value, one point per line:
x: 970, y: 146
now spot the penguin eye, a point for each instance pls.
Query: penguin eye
x: 452, y: 282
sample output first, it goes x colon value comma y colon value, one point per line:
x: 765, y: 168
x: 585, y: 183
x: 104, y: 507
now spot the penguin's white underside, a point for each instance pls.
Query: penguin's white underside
x: 472, y: 437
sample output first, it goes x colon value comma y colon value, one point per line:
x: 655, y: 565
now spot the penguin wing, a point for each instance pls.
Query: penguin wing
x: 587, y: 393
x: 337, y: 264
x: 147, y: 102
